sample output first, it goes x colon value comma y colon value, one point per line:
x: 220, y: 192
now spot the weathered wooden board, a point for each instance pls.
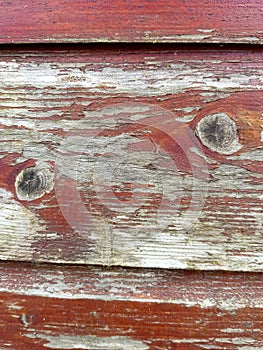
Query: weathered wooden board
x: 147, y: 158
x: 131, y: 21
x: 58, y: 307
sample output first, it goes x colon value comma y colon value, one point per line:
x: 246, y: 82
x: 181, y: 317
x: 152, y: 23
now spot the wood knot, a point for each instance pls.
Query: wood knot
x: 219, y: 133
x: 34, y: 182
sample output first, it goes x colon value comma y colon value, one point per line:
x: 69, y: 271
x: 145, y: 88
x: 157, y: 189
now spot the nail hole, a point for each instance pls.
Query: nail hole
x: 219, y: 133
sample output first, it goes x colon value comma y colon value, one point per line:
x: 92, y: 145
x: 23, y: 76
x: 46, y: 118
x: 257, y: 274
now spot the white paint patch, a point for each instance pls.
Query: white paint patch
x: 90, y: 342
x: 232, y: 330
x: 16, y: 122
x: 236, y: 341
x: 15, y: 306
x: 201, y: 30
x: 5, y: 194
x: 210, y: 347
x: 250, y: 348
x: 184, y: 37
x: 256, y: 154
x: 140, y: 82
x: 19, y: 227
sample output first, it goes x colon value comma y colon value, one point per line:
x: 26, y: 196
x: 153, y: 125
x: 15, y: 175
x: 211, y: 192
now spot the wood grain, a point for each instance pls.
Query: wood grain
x: 235, y: 21
x: 61, y: 307
x: 118, y: 129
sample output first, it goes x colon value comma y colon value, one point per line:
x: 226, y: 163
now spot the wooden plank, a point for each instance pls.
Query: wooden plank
x: 135, y: 158
x: 235, y: 21
x: 62, y: 307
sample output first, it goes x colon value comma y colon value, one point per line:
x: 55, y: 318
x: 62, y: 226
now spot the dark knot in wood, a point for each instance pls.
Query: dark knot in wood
x: 219, y: 133
x: 34, y: 182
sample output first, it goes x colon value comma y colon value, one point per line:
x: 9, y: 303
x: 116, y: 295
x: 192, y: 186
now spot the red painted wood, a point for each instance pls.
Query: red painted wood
x: 37, y: 113
x: 131, y: 21
x: 42, y: 305
x: 62, y: 307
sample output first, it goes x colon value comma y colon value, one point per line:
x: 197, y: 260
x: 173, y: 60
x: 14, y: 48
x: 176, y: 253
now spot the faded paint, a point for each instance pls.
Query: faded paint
x: 19, y: 228
x: 143, y: 81
x: 36, y: 119
x: 155, y: 320
x: 89, y: 342
x: 141, y: 286
x: 166, y: 21
x: 250, y: 347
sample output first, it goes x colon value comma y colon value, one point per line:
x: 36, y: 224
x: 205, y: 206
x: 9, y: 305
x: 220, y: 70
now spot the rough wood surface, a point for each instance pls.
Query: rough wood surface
x: 231, y: 21
x: 147, y: 158
x: 60, y: 307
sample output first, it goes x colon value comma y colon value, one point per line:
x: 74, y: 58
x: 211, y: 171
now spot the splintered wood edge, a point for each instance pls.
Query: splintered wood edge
x: 64, y: 307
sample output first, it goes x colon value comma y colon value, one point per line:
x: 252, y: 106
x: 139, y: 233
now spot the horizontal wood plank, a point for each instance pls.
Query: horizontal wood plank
x: 144, y: 158
x: 235, y: 21
x: 61, y: 307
